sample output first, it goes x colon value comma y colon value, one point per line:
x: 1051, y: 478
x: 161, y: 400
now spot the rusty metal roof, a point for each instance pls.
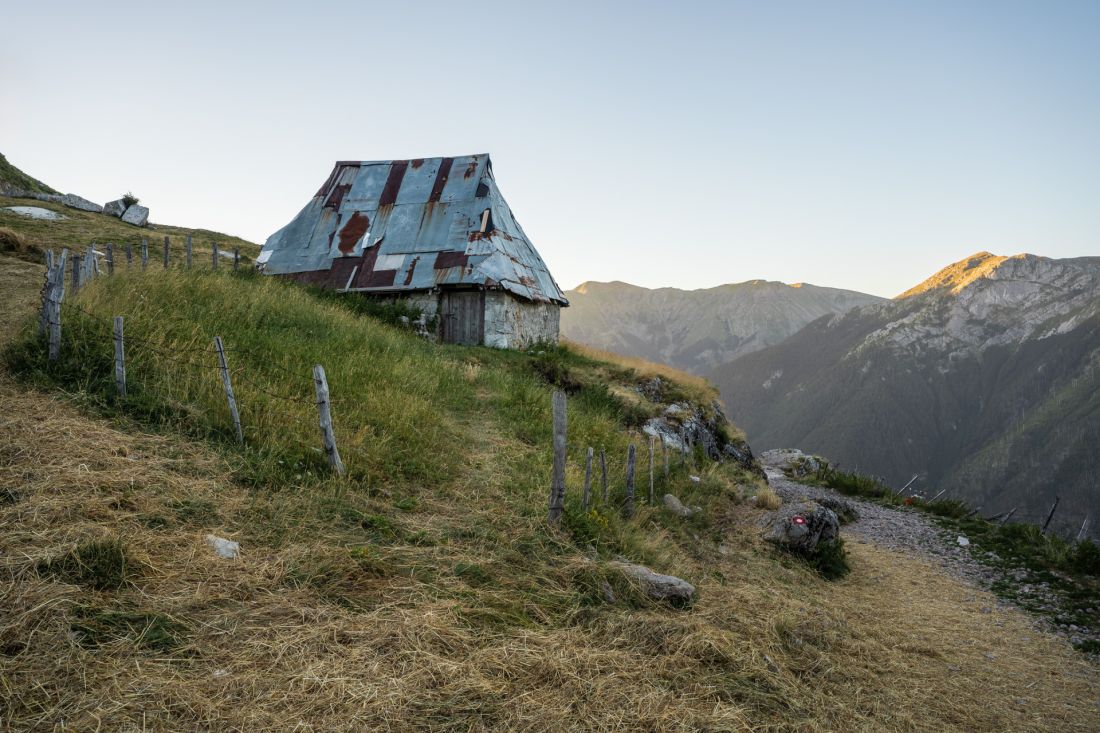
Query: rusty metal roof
x: 401, y: 225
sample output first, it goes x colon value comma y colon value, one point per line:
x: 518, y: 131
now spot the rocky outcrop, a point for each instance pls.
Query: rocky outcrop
x: 76, y: 202
x: 792, y: 462
x: 136, y: 215
x: 802, y: 527
x: 657, y: 587
x: 115, y: 208
x: 684, y: 426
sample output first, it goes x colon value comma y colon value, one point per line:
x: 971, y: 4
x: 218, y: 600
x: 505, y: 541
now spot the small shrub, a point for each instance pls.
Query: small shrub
x: 96, y: 564
x: 831, y: 559
x: 130, y: 200
x: 766, y: 498
x: 550, y: 365
x: 951, y: 508
x: 1085, y: 558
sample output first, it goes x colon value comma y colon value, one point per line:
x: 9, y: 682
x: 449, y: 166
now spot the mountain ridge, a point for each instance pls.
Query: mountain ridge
x: 985, y: 378
x: 697, y: 329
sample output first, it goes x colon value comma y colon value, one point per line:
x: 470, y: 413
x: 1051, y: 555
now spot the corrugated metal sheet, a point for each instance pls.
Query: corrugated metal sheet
x: 400, y: 225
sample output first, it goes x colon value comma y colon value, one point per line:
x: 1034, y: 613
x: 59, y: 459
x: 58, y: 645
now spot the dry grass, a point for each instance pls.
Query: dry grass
x: 260, y: 644
x: 456, y: 609
x: 645, y: 368
x: 766, y: 498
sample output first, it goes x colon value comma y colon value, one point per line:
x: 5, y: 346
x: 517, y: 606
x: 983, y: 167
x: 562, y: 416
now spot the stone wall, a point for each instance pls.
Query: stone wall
x: 511, y: 323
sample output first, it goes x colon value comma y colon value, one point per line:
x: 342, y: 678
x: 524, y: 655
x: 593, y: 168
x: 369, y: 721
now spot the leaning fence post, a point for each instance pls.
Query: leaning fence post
x: 188, y: 255
x: 651, y: 469
x: 144, y: 253
x: 165, y: 251
x: 1051, y: 515
x: 587, y: 479
x: 603, y: 474
x: 110, y: 259
x: 1084, y: 528
x: 236, y: 258
x: 214, y: 257
x: 557, y: 478
x: 120, y: 359
x: 628, y: 502
x: 328, y: 438
x: 223, y: 367
x: 57, y: 294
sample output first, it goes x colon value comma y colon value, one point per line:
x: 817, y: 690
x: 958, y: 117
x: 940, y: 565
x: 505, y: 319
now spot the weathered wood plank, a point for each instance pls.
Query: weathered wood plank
x: 120, y: 358
x: 144, y: 253
x: 328, y: 436
x: 223, y: 367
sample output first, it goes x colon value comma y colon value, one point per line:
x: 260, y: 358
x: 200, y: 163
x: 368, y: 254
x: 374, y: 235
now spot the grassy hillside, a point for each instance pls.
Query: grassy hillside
x: 81, y: 228
x: 13, y: 179
x: 426, y: 591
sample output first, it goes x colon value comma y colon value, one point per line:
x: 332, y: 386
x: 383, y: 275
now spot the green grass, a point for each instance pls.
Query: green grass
x: 95, y: 564
x: 82, y: 228
x: 16, y: 178
x: 438, y: 441
x: 96, y: 627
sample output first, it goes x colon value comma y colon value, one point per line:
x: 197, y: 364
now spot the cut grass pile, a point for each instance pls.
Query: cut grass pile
x: 426, y: 591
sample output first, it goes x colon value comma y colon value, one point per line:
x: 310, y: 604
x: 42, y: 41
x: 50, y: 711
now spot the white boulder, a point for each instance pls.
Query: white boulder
x: 136, y: 215
x: 76, y: 202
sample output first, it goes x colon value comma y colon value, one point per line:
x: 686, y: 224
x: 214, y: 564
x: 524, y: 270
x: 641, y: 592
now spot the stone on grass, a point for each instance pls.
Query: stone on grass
x: 228, y: 549
x: 676, y: 591
x: 115, y: 208
x: 136, y: 215
x: 675, y: 506
x: 76, y: 202
x: 801, y: 527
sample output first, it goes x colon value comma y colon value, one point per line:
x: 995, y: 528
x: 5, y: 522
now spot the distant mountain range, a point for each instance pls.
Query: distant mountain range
x: 697, y: 330
x: 985, y: 378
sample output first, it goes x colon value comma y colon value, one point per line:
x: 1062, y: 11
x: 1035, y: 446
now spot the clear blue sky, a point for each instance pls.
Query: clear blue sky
x: 853, y: 144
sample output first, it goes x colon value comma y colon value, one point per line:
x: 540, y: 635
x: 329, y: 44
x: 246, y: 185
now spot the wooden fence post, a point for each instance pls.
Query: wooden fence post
x: 120, y: 359
x: 1084, y: 528
x: 328, y: 437
x: 129, y: 255
x: 603, y: 474
x: 188, y: 255
x: 587, y: 479
x: 47, y: 291
x: 236, y: 258
x: 1006, y: 517
x: 144, y: 253
x: 76, y: 273
x: 557, y: 478
x: 628, y: 502
x: 57, y: 295
x: 651, y: 469
x: 223, y: 367
x: 1051, y: 515
x: 664, y: 448
x: 214, y: 257
x: 165, y: 251
x: 110, y: 259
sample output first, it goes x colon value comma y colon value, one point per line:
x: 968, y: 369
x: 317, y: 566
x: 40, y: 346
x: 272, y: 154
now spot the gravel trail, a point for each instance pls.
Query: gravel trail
x: 913, y: 533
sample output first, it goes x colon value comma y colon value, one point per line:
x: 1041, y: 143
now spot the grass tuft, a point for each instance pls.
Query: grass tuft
x: 95, y: 564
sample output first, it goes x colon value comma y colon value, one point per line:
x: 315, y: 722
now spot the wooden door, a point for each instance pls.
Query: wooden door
x: 462, y: 317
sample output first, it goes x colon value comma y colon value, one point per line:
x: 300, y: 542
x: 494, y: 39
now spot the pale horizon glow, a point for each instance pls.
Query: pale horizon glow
x: 858, y: 145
